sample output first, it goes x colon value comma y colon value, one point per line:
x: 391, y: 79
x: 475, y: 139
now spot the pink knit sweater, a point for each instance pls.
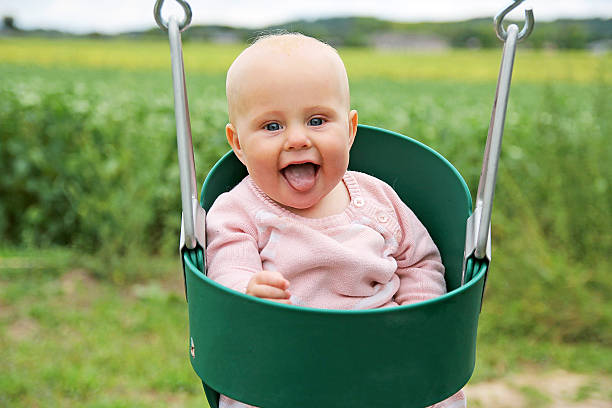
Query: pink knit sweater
x: 374, y: 254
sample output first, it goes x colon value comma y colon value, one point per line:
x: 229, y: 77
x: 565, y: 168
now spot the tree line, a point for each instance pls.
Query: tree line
x: 361, y: 31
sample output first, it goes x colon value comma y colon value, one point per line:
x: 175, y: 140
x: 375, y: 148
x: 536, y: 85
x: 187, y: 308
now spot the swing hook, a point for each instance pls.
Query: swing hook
x: 527, y: 29
x: 159, y: 20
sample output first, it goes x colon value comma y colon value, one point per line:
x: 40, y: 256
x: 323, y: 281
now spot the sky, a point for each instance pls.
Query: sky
x: 115, y: 16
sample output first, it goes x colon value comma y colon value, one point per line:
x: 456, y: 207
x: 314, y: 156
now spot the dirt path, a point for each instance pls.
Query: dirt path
x: 557, y: 389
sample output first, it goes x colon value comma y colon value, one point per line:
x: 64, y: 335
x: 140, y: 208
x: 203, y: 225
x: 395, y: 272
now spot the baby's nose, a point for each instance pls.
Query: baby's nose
x: 296, y: 140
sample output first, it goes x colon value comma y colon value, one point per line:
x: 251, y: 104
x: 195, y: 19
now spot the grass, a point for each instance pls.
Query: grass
x: 586, y: 391
x: 68, y: 339
x: 534, y: 397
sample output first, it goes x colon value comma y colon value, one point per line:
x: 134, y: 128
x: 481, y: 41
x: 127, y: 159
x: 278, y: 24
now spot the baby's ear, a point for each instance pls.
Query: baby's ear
x: 234, y: 142
x: 353, y: 121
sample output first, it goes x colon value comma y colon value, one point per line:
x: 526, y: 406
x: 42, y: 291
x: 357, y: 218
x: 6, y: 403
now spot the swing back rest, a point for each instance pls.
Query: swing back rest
x: 273, y: 355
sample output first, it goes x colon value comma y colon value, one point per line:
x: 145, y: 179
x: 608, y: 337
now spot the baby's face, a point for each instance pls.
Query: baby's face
x: 290, y: 122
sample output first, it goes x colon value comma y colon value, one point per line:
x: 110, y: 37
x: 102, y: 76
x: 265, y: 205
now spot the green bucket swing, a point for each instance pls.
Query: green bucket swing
x: 408, y: 356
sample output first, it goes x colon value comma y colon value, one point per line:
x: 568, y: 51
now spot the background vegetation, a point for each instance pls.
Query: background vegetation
x: 91, y: 311
x: 360, y: 32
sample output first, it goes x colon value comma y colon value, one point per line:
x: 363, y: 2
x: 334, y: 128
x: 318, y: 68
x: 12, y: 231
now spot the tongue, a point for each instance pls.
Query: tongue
x: 300, y: 176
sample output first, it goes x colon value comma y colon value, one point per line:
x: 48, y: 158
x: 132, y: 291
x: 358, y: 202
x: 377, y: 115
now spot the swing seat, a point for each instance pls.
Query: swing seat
x: 278, y: 356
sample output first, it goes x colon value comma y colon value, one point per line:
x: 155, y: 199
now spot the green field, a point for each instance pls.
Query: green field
x: 91, y: 310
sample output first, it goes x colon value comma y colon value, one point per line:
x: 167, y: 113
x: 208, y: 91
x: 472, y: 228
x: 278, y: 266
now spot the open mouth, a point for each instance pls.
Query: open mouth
x: 301, y: 176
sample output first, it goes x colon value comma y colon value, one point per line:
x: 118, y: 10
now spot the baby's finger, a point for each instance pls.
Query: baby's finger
x: 272, y: 278
x: 271, y: 292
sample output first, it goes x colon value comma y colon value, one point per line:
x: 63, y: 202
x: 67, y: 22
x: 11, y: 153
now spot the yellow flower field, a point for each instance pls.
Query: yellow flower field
x: 461, y: 65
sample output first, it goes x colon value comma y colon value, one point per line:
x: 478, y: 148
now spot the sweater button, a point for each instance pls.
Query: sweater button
x: 382, y: 217
x: 358, y: 202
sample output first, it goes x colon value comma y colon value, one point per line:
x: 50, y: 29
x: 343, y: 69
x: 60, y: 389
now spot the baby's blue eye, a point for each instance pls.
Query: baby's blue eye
x: 315, y: 122
x: 272, y: 127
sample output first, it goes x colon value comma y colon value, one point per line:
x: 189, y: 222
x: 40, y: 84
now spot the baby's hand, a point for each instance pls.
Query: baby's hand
x: 269, y: 285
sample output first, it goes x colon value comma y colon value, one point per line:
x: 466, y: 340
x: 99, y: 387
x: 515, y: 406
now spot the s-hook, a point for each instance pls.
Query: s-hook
x: 164, y: 25
x: 527, y: 29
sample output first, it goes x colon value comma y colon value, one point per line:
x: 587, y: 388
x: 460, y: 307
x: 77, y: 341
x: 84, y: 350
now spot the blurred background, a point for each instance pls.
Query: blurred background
x: 92, y: 311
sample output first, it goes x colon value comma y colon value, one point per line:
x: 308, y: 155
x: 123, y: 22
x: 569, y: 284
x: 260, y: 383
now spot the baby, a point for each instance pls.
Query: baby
x: 301, y: 229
